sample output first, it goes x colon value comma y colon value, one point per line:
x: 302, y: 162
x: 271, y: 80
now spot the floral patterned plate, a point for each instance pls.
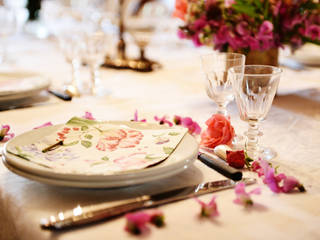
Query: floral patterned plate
x: 183, y: 155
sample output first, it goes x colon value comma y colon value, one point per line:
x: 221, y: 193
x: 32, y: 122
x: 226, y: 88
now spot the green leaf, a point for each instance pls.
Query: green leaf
x: 81, y: 121
x: 173, y: 133
x: 83, y: 128
x: 96, y: 163
x: 70, y: 144
x: 88, y: 136
x: 168, y: 150
x: 246, y: 9
x: 105, y: 158
x: 150, y: 157
x: 86, y: 144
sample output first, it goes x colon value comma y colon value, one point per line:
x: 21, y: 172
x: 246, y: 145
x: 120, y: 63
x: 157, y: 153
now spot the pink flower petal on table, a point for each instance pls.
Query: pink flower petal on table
x: 4, y: 133
x: 156, y: 217
x: 89, y: 116
x: 163, y: 120
x: 137, y: 222
x: 44, y: 125
x: 208, y: 209
x: 136, y: 119
x: 243, y: 197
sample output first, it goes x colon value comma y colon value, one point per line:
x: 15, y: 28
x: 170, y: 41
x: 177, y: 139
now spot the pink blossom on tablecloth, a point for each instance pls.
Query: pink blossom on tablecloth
x: 156, y: 217
x: 137, y: 222
x: 89, y: 116
x: 208, y: 209
x: 163, y: 120
x: 277, y: 183
x: 44, y: 125
x: 187, y: 122
x: 4, y: 133
x: 243, y: 197
x: 136, y: 119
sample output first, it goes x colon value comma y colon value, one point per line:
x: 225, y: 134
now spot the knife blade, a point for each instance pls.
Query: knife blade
x: 89, y: 214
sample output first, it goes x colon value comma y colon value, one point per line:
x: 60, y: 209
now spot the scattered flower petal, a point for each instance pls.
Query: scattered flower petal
x: 243, y: 197
x: 163, y: 120
x: 187, y: 122
x: 44, y: 125
x: 137, y: 223
x: 4, y: 133
x: 277, y: 183
x: 157, y: 218
x: 89, y: 116
x: 208, y: 209
x: 136, y: 119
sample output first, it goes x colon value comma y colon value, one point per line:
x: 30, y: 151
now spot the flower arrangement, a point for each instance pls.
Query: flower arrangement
x: 249, y: 25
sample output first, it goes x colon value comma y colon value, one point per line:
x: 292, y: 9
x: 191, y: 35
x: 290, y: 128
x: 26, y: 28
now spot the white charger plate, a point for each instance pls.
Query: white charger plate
x: 182, y: 157
x: 21, y: 84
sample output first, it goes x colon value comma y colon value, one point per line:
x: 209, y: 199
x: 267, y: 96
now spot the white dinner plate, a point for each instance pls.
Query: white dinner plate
x: 21, y: 84
x: 182, y: 157
x: 308, y: 55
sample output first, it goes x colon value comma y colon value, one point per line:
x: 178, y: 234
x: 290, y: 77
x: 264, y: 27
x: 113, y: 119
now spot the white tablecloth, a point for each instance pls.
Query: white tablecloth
x: 292, y: 129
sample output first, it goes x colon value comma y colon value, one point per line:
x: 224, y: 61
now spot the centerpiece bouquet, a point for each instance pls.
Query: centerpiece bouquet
x: 250, y: 26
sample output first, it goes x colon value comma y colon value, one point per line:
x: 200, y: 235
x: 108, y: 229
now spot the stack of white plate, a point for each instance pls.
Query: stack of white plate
x: 182, y: 157
x: 19, y: 86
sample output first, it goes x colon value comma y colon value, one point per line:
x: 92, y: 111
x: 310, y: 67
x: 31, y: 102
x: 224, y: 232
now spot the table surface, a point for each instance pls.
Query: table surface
x: 292, y: 128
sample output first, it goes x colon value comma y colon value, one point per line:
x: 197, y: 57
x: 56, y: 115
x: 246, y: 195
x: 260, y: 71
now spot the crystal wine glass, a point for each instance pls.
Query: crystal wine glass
x: 8, y: 27
x: 218, y: 87
x: 254, y: 88
x: 94, y: 50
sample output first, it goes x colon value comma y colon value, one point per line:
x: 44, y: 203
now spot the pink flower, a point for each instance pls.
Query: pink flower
x: 44, y: 125
x: 4, y: 133
x: 208, y: 209
x: 88, y: 115
x: 157, y: 218
x: 242, y: 28
x: 137, y: 222
x: 313, y: 32
x: 163, y: 120
x: 136, y: 119
x: 277, y: 183
x: 243, y: 197
x: 187, y: 122
x: 228, y: 3
x: 219, y: 132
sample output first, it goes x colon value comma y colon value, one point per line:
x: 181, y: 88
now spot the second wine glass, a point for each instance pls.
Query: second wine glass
x: 218, y: 86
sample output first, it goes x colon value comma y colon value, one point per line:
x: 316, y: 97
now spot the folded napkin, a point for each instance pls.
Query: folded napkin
x: 92, y: 147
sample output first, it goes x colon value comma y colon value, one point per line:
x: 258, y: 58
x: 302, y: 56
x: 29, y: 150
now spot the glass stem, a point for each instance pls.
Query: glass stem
x: 252, y: 139
x: 142, y: 57
x: 222, y: 109
x: 95, y: 78
x: 75, y: 65
x: 3, y: 50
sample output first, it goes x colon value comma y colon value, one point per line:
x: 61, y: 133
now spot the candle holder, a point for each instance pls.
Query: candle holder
x: 121, y: 61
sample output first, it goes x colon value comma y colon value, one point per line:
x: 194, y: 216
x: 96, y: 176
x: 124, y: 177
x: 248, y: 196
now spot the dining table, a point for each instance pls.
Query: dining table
x: 292, y: 129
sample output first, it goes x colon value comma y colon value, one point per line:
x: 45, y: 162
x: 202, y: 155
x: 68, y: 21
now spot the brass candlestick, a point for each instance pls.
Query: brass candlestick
x: 121, y: 61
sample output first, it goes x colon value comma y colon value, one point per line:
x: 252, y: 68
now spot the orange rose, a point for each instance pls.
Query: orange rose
x: 181, y: 9
x: 219, y: 132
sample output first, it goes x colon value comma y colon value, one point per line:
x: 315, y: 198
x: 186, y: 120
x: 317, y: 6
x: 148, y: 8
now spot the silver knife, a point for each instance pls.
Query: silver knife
x: 88, y: 214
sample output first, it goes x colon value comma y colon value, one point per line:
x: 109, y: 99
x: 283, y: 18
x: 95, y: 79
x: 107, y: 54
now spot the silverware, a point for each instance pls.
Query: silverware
x: 220, y: 166
x: 61, y: 95
x: 88, y: 214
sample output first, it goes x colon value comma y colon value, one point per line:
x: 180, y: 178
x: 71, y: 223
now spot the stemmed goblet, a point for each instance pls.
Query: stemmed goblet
x: 94, y: 50
x: 254, y: 88
x: 218, y: 86
x: 8, y: 27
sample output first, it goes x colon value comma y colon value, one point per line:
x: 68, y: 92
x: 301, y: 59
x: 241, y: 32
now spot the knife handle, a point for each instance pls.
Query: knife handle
x: 220, y: 166
x: 61, y: 95
x: 89, y: 214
